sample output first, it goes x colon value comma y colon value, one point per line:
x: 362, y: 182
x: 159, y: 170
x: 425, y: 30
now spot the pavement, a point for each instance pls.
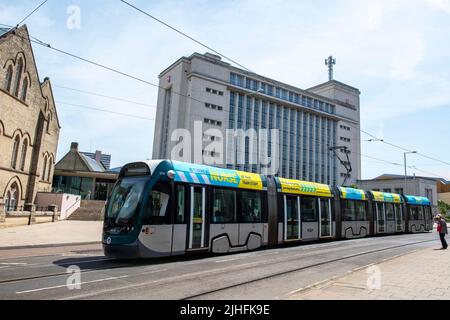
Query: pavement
x: 51, y: 234
x: 420, y: 275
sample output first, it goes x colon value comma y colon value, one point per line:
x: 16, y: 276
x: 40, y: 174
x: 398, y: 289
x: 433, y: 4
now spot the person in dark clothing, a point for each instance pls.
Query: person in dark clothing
x: 442, y: 230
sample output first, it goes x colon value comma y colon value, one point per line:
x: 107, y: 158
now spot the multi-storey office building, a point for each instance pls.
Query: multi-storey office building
x: 202, y: 89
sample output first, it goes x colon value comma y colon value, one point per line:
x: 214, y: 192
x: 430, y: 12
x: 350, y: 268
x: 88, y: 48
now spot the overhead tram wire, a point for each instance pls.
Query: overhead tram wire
x: 37, y: 41
x: 103, y: 110
x: 30, y: 14
x: 185, y: 35
x: 104, y: 96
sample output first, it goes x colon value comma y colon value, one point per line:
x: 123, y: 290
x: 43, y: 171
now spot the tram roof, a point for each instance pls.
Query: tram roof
x: 303, y: 187
x: 417, y: 200
x: 352, y: 193
x: 386, y: 197
x: 202, y: 174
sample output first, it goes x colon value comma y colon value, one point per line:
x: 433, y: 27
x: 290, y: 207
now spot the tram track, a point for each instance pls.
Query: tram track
x: 241, y: 267
x: 59, y: 274
x: 282, y: 273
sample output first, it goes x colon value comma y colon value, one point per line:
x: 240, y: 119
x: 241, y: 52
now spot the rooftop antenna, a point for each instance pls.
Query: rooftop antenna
x: 330, y: 62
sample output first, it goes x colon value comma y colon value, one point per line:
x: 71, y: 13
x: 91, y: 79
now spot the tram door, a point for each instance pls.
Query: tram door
x: 292, y: 218
x: 398, y: 218
x: 428, y: 219
x: 325, y: 222
x: 197, y: 218
x: 381, y: 218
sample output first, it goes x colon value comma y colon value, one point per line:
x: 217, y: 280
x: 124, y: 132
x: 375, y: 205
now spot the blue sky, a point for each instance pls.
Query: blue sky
x: 396, y: 52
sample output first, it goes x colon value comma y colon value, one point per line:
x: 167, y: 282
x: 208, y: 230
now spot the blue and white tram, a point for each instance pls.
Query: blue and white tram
x: 164, y: 208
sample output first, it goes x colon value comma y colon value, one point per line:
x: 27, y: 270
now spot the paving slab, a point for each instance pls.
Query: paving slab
x: 423, y: 274
x: 65, y: 232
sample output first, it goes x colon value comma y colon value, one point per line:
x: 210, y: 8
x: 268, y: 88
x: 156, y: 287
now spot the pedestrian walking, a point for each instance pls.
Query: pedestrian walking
x: 442, y: 230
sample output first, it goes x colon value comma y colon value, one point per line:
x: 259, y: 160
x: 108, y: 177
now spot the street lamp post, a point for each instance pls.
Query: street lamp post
x: 404, y: 156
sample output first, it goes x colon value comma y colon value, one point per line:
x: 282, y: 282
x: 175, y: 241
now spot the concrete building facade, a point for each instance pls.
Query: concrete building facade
x: 203, y: 89
x: 29, y: 127
x: 415, y: 185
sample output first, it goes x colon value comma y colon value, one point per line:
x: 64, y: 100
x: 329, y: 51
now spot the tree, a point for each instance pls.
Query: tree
x: 444, y: 208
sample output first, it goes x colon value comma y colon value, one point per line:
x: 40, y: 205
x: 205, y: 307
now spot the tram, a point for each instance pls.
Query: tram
x: 165, y: 208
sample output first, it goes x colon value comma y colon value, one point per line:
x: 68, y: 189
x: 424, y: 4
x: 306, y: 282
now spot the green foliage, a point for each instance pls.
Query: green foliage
x: 444, y: 208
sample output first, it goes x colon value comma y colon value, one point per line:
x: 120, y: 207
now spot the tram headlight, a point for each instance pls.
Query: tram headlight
x: 171, y: 174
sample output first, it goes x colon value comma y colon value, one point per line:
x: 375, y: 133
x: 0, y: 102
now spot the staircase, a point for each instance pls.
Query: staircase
x: 89, y: 210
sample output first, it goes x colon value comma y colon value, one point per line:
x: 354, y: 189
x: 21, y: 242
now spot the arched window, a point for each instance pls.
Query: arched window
x: 44, y: 170
x: 11, y: 198
x: 49, y: 172
x: 19, y: 70
x: 15, y: 151
x: 23, y: 154
x: 23, y: 95
x: 8, y: 79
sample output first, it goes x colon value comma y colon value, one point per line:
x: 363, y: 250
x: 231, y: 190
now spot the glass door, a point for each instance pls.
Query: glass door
x: 197, y: 218
x: 325, y: 217
x: 398, y: 217
x: 381, y: 219
x: 292, y: 218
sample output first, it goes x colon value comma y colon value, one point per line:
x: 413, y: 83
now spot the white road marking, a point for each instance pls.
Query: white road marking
x: 13, y: 263
x: 225, y: 260
x: 64, y: 285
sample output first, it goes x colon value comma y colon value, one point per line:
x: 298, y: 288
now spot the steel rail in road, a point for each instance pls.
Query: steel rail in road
x: 277, y: 274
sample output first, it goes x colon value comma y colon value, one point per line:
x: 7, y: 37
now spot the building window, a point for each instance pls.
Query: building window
x: 214, y: 91
x: 19, y: 70
x: 44, y: 169
x: 387, y: 190
x: 8, y: 79
x: 12, y: 196
x: 15, y: 151
x: 399, y: 190
x: 23, y: 95
x: 49, y: 170
x: 213, y: 122
x: 23, y: 154
x: 213, y: 106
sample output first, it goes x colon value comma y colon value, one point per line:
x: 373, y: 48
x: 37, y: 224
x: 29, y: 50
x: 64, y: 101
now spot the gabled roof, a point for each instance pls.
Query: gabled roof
x: 92, y: 164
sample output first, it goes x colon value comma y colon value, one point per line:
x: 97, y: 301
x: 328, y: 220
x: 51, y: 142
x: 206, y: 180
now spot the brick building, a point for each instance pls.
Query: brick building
x: 29, y: 127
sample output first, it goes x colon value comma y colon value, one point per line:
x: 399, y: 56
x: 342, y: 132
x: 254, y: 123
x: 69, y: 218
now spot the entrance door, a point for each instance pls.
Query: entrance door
x: 325, y: 218
x: 197, y: 218
x: 428, y: 219
x: 381, y: 218
x: 398, y: 218
x: 292, y: 218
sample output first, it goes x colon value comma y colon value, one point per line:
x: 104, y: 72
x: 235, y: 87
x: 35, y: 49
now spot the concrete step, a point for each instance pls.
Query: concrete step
x: 89, y: 211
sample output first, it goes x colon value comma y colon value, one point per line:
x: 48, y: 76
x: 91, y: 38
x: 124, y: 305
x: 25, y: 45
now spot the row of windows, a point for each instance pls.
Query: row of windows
x: 214, y: 91
x: 213, y: 122
x: 344, y: 127
x: 345, y: 139
x: 211, y: 153
x: 228, y: 205
x: 207, y: 137
x: 353, y: 210
x: 16, y: 80
x: 213, y: 106
x: 280, y: 93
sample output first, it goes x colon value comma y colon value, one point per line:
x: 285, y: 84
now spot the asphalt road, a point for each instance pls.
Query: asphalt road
x: 274, y: 273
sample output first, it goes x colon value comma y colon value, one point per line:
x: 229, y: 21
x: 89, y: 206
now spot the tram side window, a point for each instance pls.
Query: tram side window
x: 390, y: 215
x: 158, y: 205
x: 251, y: 206
x: 413, y: 214
x: 398, y: 212
x: 348, y: 210
x: 420, y: 210
x: 360, y: 211
x: 224, y: 206
x: 308, y: 209
x: 181, y: 204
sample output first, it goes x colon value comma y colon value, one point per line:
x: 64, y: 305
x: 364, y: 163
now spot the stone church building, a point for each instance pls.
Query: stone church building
x: 29, y: 127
